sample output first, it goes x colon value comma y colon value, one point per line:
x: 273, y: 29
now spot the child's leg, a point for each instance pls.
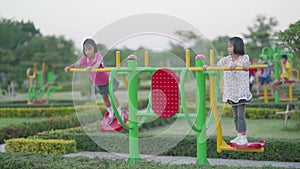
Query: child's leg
x: 108, y: 106
x: 241, y: 124
x: 235, y: 117
x: 275, y: 87
x: 258, y: 88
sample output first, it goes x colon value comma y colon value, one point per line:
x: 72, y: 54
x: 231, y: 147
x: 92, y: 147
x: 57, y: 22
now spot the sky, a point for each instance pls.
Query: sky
x: 79, y: 19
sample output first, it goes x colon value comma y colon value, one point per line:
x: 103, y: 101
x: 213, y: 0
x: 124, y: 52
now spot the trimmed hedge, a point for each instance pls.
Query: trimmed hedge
x: 287, y: 150
x: 46, y: 111
x: 251, y: 112
x: 53, y: 103
x: 29, y: 129
x: 33, y: 161
x: 41, y: 146
x: 256, y: 113
x: 272, y: 104
x: 36, y: 112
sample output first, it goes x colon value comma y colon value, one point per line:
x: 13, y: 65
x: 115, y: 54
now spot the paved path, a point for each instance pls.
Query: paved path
x: 183, y: 159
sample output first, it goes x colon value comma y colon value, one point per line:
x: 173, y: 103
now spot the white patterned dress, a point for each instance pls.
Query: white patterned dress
x: 236, y: 83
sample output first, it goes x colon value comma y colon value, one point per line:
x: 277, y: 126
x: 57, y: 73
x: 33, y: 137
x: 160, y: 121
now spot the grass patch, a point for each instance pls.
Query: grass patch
x: 16, y: 120
x: 257, y: 128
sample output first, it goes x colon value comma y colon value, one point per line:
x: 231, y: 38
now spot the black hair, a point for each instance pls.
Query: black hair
x: 238, y: 45
x: 284, y: 57
x: 89, y: 42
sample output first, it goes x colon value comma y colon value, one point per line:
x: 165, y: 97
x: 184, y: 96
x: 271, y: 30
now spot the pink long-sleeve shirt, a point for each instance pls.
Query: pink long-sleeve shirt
x: 98, y: 78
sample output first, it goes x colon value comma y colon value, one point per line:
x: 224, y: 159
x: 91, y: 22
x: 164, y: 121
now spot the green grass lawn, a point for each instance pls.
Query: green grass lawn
x: 15, y: 120
x: 257, y: 128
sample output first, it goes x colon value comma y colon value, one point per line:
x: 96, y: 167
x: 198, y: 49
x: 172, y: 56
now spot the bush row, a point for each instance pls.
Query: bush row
x: 272, y: 104
x: 35, y: 161
x: 276, y: 149
x: 30, y: 128
x: 40, y: 146
x: 257, y: 113
x: 53, y: 103
x: 251, y: 112
x: 36, y: 112
x: 53, y: 111
x: 61, y: 122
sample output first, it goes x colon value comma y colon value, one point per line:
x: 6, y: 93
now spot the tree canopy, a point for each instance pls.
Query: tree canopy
x: 260, y: 34
x: 21, y: 44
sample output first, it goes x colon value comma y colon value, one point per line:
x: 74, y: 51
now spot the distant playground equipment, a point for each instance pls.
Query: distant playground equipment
x: 44, y: 84
x: 164, y: 102
x: 271, y: 55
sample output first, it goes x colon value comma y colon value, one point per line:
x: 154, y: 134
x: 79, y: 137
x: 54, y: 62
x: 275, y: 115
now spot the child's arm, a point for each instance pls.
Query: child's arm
x: 244, y: 62
x: 96, y: 65
x: 99, y: 63
x: 220, y: 63
x: 67, y: 68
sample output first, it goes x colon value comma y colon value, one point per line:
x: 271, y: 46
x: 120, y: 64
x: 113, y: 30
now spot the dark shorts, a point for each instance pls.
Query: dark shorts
x: 105, y: 88
x: 262, y: 80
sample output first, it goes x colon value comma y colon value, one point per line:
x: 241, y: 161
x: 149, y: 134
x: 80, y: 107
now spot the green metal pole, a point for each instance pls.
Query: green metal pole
x: 201, y: 111
x: 133, y: 108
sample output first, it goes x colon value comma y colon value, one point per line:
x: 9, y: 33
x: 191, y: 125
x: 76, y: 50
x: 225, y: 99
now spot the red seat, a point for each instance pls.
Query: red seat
x: 115, y: 126
x: 289, y: 81
x: 258, y: 144
x: 165, y: 93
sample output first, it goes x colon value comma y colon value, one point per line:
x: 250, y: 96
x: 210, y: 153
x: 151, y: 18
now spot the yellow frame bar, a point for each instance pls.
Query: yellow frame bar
x: 210, y: 68
x: 107, y: 69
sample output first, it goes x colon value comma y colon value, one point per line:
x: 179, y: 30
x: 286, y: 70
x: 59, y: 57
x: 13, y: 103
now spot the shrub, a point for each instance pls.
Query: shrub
x: 40, y: 146
x: 275, y: 150
x: 31, y: 128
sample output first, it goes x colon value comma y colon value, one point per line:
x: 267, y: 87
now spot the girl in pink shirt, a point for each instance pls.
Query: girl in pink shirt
x: 92, y: 59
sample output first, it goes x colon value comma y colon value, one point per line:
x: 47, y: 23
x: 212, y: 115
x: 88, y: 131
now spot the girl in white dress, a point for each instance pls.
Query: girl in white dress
x: 236, y: 85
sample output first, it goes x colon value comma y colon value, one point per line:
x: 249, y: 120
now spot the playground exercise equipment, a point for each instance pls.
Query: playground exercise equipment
x: 44, y: 84
x: 167, y: 107
x: 268, y: 54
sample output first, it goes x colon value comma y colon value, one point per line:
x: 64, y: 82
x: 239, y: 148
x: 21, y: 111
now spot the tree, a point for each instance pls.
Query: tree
x: 260, y: 34
x: 220, y: 43
x: 56, y: 52
x: 291, y: 38
x: 21, y: 44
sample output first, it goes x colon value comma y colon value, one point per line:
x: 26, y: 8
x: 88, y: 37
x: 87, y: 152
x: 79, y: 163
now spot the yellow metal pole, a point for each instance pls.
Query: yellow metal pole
x: 291, y: 92
x: 118, y: 58
x: 194, y: 69
x: 211, y: 57
x: 266, y: 97
x: 213, y: 103
x: 34, y: 68
x: 44, y: 67
x: 107, y: 69
x: 187, y: 58
x: 146, y: 59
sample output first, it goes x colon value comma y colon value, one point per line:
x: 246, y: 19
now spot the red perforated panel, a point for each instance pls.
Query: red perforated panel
x: 165, y: 93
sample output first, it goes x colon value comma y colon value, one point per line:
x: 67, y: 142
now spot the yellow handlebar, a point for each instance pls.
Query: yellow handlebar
x: 211, y: 68
x: 28, y: 73
x: 108, y: 69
